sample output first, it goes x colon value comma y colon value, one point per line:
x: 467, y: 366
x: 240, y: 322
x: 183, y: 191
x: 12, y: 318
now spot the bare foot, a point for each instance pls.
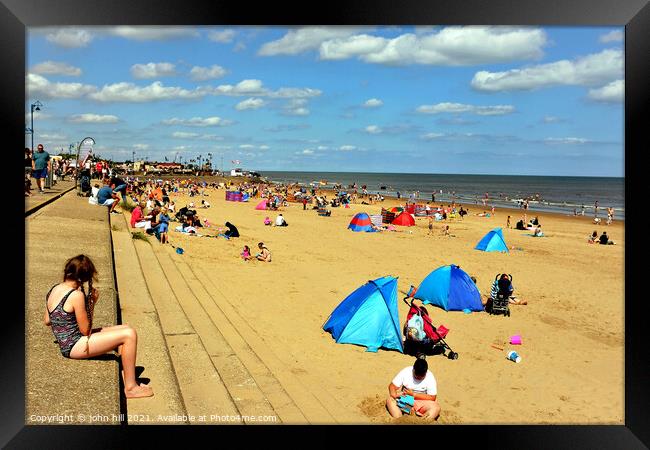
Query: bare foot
x: 139, y: 391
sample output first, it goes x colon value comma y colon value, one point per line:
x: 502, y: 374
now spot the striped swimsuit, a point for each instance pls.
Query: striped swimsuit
x: 64, y: 325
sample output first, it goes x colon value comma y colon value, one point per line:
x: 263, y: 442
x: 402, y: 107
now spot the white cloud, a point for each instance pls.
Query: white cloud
x: 184, y: 135
x: 207, y: 73
x: 612, y: 36
x: 141, y: 146
x: 153, y: 70
x: 303, y: 39
x: 551, y: 119
x: 296, y: 107
x: 70, y: 38
x: 430, y: 136
x: 566, y: 141
x: 94, y: 118
x: 223, y: 37
x: 373, y: 103
x: 456, y: 108
x: 264, y: 147
x: 347, y: 148
x: 322, y: 147
x: 295, y: 93
x: 56, y: 68
x: 590, y: 70
x: 244, y: 87
x: 129, y: 92
x: 198, y: 122
x: 52, y: 137
x: 245, y: 146
x: 251, y: 103
x: 38, y: 86
x: 613, y: 92
x: 373, y: 129
x: 254, y: 87
x: 305, y: 152
x: 450, y: 46
x: 152, y: 33
x: 38, y: 115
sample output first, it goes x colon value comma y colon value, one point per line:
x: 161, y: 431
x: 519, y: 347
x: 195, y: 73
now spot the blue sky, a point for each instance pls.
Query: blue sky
x: 475, y: 100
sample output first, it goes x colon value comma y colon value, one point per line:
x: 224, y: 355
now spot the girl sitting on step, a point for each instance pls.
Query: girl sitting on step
x: 69, y: 311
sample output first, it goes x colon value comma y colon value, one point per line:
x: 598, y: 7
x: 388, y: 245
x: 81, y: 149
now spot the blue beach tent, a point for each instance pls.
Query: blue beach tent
x: 450, y: 288
x: 493, y: 242
x: 368, y: 317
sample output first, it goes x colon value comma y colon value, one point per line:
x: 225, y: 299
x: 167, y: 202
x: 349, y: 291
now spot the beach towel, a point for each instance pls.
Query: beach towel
x: 376, y: 219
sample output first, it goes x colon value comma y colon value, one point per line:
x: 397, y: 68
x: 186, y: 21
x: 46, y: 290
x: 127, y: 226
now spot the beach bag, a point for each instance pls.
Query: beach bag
x: 92, y: 200
x: 415, y: 328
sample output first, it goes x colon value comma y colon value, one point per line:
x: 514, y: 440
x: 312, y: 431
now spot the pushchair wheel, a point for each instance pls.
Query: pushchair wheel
x: 452, y: 355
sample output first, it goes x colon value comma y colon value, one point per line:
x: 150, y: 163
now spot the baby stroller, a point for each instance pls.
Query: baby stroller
x: 500, y: 295
x: 84, y: 189
x: 433, y: 342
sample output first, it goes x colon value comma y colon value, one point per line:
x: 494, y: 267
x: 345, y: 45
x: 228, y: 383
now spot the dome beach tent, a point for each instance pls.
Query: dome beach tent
x: 361, y: 222
x: 404, y: 219
x: 396, y: 209
x: 368, y: 317
x: 493, y: 242
x: 450, y: 288
x: 261, y: 205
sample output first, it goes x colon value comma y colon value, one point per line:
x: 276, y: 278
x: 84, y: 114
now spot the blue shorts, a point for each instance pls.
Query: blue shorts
x: 39, y: 173
x: 120, y: 188
x: 163, y: 228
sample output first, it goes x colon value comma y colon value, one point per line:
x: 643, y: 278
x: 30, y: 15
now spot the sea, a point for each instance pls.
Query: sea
x: 564, y: 195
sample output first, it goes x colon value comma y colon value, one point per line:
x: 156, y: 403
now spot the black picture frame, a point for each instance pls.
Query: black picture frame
x: 17, y: 15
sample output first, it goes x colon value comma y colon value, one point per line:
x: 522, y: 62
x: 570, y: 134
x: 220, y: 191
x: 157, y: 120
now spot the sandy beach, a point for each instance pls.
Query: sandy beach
x: 572, y: 369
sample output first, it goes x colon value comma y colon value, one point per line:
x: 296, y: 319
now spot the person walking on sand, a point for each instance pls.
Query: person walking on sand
x: 430, y: 225
x: 418, y: 383
x: 69, y: 313
x: 508, y: 222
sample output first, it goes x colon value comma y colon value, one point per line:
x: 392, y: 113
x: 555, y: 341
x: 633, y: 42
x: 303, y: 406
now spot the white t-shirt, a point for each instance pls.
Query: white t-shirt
x: 405, y: 378
x: 279, y: 221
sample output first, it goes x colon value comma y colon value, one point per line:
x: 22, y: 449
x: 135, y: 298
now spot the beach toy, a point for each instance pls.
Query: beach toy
x: 467, y: 311
x: 179, y: 250
x: 514, y: 356
x: 515, y: 340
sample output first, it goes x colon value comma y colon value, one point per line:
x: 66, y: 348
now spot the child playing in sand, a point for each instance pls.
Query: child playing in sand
x: 264, y: 254
x: 267, y: 221
x: 508, y: 222
x: 246, y: 253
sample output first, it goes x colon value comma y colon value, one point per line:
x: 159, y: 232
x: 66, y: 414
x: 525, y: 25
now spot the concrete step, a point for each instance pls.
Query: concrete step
x: 138, y: 310
x: 204, y: 395
x: 54, y: 385
x: 317, y: 405
x: 246, y: 394
x: 285, y: 408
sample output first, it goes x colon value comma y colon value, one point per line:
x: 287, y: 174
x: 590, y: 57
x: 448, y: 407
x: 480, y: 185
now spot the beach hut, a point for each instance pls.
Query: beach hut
x: 261, y: 205
x: 404, y: 219
x: 450, y: 288
x: 368, y: 317
x: 493, y: 242
x: 361, y: 222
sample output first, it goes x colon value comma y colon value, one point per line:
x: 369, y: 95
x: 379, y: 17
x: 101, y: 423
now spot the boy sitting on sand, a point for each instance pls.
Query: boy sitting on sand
x: 414, y: 390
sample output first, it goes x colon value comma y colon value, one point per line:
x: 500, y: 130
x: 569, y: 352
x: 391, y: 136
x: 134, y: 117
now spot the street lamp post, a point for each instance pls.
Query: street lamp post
x: 36, y: 106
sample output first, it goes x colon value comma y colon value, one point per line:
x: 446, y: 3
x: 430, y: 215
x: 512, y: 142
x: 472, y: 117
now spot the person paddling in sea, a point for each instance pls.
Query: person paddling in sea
x: 69, y: 312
